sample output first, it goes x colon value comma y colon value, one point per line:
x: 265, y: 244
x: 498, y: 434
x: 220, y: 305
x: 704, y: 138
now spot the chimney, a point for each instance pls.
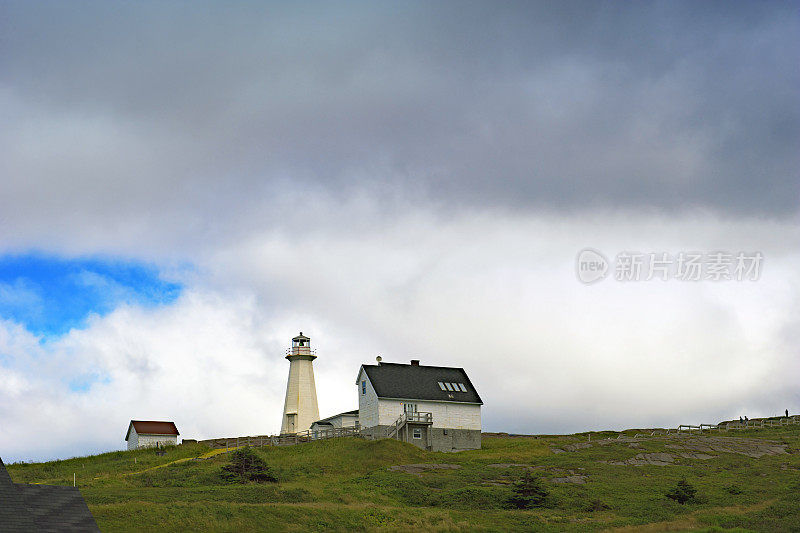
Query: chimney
x: 415, y: 362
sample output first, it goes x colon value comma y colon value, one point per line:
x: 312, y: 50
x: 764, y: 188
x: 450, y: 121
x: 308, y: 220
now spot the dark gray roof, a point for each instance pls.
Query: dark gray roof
x: 56, y: 509
x: 14, y: 515
x: 42, y: 508
x: 419, y: 382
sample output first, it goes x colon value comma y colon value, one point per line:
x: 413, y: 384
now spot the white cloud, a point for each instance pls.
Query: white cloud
x: 495, y: 294
x: 201, y: 362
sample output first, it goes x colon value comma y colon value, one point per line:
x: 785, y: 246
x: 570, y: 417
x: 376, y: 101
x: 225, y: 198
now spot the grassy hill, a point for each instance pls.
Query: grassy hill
x: 746, y: 480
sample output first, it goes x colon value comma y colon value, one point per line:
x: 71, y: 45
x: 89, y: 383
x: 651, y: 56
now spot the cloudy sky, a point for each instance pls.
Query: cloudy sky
x: 186, y: 185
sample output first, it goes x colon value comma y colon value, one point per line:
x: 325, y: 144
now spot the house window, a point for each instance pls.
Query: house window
x: 462, y: 387
x: 364, y: 387
x: 441, y: 386
x: 417, y: 433
x: 449, y: 386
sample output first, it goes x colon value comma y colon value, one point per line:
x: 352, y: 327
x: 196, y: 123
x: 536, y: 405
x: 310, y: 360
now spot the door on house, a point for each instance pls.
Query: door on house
x: 409, y: 409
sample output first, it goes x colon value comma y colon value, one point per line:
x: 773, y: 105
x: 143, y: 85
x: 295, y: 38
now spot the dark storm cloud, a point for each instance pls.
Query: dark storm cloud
x: 520, y: 106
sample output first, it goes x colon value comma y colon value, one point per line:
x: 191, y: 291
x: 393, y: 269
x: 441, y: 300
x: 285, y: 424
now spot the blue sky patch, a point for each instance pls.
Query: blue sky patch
x: 50, y: 295
x: 84, y: 383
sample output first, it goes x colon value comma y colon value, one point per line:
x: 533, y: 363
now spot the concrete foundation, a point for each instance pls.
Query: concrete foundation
x: 455, y: 440
x: 431, y: 438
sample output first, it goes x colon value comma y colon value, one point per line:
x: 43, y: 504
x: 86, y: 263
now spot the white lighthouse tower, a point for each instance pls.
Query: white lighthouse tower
x: 300, y: 408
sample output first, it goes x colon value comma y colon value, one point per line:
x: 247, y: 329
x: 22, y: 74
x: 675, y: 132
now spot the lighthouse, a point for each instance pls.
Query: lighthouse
x: 300, y: 407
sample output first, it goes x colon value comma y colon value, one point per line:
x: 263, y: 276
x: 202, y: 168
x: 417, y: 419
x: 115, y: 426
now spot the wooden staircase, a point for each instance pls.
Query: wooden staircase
x: 406, y: 418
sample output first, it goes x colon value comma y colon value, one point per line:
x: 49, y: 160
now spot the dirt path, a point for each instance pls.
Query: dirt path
x: 202, y: 456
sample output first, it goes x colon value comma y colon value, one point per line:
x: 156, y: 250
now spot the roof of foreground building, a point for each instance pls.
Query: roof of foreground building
x: 42, y: 508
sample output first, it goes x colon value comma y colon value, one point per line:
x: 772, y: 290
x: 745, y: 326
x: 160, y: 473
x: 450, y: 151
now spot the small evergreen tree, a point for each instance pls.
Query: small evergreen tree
x: 683, y: 492
x: 246, y: 466
x: 528, y: 492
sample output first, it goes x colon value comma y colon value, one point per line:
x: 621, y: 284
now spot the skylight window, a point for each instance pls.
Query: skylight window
x: 441, y: 386
x: 462, y: 387
x: 449, y: 386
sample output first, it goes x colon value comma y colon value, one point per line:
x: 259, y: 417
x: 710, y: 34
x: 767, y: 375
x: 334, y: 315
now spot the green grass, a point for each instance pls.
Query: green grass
x: 345, y: 484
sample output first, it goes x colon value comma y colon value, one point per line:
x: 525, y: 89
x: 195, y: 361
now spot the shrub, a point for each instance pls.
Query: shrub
x: 408, y: 489
x: 296, y: 495
x: 246, y: 466
x: 377, y: 517
x: 683, y: 492
x: 734, y: 489
x: 529, y: 491
x: 596, y: 506
x: 470, y: 497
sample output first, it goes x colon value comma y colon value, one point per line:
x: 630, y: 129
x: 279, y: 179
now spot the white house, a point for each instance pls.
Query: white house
x: 150, y: 433
x: 436, y: 408
x: 348, y: 419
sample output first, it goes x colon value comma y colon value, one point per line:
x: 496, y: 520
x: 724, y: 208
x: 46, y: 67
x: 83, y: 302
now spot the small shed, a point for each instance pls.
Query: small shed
x: 348, y: 419
x: 151, y: 433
